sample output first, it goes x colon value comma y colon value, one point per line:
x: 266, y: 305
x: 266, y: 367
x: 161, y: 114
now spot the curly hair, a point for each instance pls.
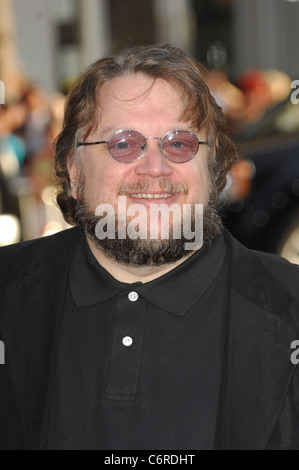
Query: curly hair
x: 156, y: 61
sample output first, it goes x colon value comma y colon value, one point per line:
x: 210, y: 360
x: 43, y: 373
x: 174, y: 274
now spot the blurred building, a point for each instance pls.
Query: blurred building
x: 55, y: 39
x: 58, y: 38
x: 265, y: 35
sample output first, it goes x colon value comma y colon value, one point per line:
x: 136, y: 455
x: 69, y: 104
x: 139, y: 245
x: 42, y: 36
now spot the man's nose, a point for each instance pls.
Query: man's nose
x: 153, y: 163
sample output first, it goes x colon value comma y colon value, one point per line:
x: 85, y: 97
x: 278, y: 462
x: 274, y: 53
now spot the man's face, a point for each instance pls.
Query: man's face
x: 152, y: 108
x: 135, y: 103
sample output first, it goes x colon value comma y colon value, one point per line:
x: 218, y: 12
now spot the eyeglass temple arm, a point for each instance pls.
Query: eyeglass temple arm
x: 92, y: 143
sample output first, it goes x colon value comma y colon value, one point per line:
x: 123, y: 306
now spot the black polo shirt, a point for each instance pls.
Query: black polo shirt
x: 139, y: 365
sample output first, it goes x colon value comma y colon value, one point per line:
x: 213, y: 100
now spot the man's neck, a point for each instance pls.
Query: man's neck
x: 131, y: 274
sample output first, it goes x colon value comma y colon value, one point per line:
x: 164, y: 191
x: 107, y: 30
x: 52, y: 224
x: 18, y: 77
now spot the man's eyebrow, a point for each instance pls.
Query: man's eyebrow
x: 105, y: 130
x: 110, y: 128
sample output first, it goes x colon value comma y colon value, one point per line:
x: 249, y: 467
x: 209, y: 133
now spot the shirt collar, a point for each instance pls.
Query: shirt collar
x: 176, y: 291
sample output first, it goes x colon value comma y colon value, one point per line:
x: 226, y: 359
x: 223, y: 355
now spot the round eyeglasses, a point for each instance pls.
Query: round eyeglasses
x: 127, y: 146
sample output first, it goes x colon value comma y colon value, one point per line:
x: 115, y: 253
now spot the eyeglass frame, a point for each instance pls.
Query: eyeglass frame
x: 199, y: 142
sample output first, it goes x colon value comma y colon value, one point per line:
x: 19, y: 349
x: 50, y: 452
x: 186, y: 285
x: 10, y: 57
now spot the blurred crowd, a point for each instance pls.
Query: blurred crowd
x: 29, y: 123
x: 30, y: 120
x: 250, y: 97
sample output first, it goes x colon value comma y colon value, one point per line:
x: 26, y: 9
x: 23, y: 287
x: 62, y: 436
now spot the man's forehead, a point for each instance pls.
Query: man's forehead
x: 129, y: 101
x: 135, y: 89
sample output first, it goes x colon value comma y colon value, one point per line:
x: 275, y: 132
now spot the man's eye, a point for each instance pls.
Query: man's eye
x: 122, y: 145
x: 177, y: 144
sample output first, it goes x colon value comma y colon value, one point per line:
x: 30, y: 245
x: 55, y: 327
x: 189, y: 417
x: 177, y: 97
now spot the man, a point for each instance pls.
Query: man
x: 133, y: 341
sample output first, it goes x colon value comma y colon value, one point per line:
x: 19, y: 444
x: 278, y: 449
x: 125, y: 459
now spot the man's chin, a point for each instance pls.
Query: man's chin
x: 141, y: 252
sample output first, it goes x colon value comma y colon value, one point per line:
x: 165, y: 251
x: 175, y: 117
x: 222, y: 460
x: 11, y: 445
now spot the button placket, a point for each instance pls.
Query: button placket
x: 127, y: 346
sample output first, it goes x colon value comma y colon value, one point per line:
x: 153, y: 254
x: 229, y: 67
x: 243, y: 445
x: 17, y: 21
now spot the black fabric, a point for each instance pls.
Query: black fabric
x: 155, y: 392
x: 258, y: 399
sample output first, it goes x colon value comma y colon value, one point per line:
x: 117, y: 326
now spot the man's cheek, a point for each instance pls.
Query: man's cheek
x: 201, y: 195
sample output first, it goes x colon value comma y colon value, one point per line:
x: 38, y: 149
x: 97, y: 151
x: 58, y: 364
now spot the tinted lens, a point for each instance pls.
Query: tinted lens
x: 126, y: 146
x: 179, y: 146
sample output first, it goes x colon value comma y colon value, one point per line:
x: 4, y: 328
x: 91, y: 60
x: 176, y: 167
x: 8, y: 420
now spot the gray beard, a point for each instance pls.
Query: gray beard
x: 146, y: 252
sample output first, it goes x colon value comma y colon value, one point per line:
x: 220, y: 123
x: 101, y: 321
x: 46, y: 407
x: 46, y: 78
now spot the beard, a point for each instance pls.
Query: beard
x: 147, y: 251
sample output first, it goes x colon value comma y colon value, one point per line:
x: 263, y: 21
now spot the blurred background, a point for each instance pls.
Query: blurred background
x: 250, y: 49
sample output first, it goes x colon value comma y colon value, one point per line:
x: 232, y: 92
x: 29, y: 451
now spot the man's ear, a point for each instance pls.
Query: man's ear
x: 74, y: 175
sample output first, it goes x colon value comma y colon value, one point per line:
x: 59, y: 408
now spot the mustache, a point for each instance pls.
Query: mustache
x: 143, y: 186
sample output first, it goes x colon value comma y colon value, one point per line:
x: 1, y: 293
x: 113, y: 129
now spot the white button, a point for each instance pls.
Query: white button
x: 127, y: 341
x: 133, y: 296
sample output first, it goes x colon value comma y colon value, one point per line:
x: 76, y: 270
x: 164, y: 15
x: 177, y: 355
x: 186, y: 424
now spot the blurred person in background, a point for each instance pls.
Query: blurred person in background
x: 40, y: 166
x: 40, y: 169
x: 256, y: 92
x: 38, y: 119
x: 262, y: 90
x: 228, y: 96
x: 12, y: 152
x: 126, y: 343
x: 12, y: 118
